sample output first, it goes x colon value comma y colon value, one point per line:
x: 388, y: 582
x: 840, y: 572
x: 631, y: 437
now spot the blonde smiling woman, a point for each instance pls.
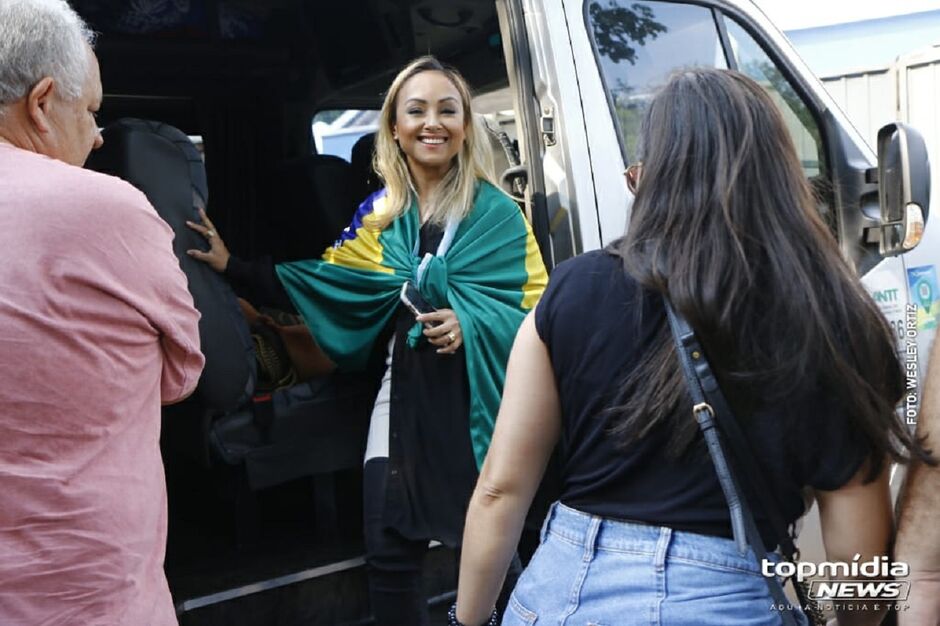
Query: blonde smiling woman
x: 443, y: 226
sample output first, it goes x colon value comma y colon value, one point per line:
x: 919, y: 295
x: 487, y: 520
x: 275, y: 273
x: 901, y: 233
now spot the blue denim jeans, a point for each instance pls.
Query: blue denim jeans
x: 591, y: 571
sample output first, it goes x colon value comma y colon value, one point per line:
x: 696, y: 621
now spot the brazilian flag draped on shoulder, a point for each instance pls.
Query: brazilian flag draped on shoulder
x: 490, y: 274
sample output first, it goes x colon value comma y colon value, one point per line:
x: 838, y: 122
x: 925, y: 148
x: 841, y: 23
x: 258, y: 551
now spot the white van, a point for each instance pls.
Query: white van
x: 261, y: 531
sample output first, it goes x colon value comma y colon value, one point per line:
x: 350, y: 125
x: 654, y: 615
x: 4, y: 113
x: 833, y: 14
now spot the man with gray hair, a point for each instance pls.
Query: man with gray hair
x: 50, y: 89
x: 97, y: 330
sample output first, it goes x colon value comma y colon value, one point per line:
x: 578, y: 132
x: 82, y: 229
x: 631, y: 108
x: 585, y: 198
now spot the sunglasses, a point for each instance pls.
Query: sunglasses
x: 632, y: 174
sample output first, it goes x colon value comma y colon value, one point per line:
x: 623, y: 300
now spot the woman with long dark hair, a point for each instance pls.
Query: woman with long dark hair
x: 724, y: 228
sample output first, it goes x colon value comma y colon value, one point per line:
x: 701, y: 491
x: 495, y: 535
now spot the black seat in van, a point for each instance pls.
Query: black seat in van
x: 164, y: 164
x: 312, y: 200
x: 313, y: 428
x: 365, y: 180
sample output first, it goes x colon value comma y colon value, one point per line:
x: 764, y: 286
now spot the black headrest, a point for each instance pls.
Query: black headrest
x: 314, y: 201
x: 163, y: 163
x: 364, y: 177
x: 333, y: 186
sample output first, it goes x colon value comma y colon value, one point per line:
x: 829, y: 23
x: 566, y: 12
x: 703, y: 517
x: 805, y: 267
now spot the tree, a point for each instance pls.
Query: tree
x: 618, y: 28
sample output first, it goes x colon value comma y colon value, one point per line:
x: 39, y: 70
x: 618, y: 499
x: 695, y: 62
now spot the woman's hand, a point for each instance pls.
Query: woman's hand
x: 447, y: 335
x: 218, y: 255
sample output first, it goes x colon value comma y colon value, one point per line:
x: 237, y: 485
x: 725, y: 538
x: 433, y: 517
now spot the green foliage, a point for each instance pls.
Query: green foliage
x: 618, y: 32
x: 617, y: 27
x: 792, y: 107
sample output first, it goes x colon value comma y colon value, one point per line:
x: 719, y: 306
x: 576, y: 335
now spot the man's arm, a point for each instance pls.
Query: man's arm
x: 143, y: 270
x: 174, y: 316
x: 918, y: 542
x: 856, y: 520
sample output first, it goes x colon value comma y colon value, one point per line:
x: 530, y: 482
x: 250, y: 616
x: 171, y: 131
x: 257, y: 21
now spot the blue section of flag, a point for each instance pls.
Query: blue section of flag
x: 352, y: 231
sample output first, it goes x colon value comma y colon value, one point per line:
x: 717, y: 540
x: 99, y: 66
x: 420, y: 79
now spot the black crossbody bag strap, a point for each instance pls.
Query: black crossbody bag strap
x: 737, y: 441
x: 709, y: 407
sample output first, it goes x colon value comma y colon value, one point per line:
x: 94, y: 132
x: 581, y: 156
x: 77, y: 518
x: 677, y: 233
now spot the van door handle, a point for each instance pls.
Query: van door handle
x: 547, y: 126
x: 515, y: 178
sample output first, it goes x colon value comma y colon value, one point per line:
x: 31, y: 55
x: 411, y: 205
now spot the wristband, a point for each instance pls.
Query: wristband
x: 452, y: 617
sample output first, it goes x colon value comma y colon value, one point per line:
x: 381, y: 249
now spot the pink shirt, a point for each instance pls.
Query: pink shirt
x: 97, y: 329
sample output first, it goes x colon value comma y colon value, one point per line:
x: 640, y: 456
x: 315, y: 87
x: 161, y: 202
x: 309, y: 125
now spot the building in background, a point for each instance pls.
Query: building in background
x: 837, y: 49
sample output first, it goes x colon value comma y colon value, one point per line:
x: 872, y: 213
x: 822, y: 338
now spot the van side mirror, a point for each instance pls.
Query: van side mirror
x: 903, y: 187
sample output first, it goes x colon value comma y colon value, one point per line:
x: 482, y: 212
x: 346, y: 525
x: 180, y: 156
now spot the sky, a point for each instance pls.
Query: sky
x: 795, y: 14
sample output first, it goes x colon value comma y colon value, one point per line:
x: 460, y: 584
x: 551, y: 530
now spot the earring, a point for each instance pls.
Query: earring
x: 632, y: 175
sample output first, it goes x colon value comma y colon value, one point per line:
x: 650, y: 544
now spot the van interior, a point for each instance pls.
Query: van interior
x: 264, y: 484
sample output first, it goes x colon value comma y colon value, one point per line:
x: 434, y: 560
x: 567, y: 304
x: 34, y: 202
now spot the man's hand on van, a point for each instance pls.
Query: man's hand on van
x: 217, y: 255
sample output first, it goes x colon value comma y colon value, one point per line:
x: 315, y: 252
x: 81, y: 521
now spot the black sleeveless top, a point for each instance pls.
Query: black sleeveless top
x: 596, y: 322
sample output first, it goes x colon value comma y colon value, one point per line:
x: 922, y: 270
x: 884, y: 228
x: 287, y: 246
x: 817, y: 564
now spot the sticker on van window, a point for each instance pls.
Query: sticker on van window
x: 888, y: 288
x: 925, y: 295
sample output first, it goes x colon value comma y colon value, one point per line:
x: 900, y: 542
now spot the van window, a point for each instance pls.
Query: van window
x: 753, y: 61
x: 639, y: 44
x: 335, y: 131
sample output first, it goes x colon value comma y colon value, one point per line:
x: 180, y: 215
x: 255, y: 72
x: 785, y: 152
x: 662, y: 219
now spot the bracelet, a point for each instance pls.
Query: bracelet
x: 452, y: 617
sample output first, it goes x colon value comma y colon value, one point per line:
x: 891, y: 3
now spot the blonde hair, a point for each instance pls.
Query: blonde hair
x: 453, y: 197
